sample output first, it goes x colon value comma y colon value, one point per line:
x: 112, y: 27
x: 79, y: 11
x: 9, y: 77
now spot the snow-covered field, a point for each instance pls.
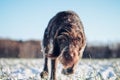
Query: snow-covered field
x: 87, y: 69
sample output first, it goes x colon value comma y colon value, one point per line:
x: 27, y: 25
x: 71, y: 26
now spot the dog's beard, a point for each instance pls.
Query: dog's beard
x: 68, y: 57
x: 66, y: 63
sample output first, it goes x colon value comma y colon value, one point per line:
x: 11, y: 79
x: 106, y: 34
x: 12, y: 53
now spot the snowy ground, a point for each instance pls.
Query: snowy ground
x: 88, y: 69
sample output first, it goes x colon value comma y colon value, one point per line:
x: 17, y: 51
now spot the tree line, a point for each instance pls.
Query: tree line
x: 32, y: 49
x: 102, y: 51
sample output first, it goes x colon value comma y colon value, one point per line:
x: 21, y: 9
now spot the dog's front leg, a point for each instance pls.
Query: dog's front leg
x: 53, y: 69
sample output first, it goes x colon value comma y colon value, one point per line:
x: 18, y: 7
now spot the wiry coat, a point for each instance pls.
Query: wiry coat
x: 66, y: 34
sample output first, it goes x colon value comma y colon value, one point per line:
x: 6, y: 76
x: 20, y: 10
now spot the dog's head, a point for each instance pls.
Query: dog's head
x: 69, y: 57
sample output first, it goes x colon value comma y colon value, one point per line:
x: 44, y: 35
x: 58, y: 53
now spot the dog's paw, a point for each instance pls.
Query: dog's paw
x: 44, y: 74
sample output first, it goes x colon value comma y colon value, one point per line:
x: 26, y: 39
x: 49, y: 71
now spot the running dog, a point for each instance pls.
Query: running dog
x: 64, y: 41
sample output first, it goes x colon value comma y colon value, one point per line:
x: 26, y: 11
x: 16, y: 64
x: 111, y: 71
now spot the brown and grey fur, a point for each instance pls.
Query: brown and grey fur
x: 66, y: 34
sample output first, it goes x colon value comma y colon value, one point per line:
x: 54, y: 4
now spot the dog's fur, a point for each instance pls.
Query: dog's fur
x: 66, y: 34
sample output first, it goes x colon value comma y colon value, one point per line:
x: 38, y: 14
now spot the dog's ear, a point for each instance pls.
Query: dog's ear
x: 51, y: 56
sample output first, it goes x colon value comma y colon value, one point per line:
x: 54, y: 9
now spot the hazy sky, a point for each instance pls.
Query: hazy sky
x: 27, y: 19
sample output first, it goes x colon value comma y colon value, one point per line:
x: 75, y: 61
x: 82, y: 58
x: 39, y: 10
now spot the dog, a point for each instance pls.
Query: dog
x: 64, y: 41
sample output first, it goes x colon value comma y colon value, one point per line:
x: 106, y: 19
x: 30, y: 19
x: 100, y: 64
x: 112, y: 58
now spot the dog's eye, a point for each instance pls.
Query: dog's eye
x: 67, y: 56
x: 61, y: 40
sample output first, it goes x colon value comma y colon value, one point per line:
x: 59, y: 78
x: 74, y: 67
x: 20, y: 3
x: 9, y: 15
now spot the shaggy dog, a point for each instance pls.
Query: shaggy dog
x: 64, y: 40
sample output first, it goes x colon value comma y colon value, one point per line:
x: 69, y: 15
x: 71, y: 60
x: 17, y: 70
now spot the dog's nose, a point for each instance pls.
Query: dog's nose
x: 68, y: 71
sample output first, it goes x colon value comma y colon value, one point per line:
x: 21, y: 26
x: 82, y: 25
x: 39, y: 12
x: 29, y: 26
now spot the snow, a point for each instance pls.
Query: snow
x: 87, y: 69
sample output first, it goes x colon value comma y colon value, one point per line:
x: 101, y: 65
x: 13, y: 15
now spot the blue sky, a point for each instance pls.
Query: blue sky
x: 27, y: 19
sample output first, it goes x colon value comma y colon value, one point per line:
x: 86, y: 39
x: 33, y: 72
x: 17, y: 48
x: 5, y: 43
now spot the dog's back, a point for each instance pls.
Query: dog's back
x: 63, y: 20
